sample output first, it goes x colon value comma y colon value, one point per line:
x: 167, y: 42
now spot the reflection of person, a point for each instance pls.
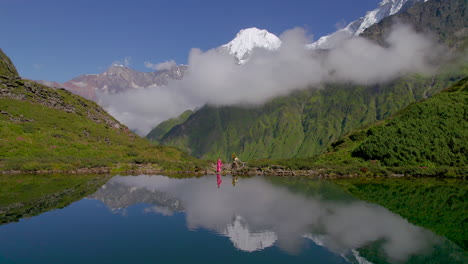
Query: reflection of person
x: 218, y: 180
x: 219, y: 165
x: 234, y: 180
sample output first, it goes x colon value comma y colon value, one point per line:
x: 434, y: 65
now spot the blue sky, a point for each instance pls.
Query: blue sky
x: 57, y: 40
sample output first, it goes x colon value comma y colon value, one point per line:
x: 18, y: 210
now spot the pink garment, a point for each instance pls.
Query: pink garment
x: 219, y: 165
x: 218, y: 180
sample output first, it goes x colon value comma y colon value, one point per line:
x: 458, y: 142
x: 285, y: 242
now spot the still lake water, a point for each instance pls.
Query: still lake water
x: 212, y: 219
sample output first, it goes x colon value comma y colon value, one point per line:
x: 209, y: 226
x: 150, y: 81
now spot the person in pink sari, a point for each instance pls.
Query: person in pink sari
x: 219, y: 165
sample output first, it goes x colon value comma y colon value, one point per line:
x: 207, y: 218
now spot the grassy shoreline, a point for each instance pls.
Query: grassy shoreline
x: 264, y: 168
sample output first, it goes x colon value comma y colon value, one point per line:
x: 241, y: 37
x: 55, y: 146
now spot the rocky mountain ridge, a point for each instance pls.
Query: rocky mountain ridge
x: 117, y: 79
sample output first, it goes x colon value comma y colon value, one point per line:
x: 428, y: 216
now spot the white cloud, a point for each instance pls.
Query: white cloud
x: 126, y: 61
x: 214, y: 77
x: 167, y: 65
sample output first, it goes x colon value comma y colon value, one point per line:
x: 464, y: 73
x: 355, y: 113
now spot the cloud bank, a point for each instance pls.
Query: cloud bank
x: 215, y: 78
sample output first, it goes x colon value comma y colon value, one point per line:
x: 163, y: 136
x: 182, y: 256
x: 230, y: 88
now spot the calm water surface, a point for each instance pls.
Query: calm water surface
x: 210, y: 219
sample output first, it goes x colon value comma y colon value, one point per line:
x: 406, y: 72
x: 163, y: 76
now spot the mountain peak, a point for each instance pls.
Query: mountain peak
x: 386, y: 8
x: 248, y: 39
x: 116, y: 68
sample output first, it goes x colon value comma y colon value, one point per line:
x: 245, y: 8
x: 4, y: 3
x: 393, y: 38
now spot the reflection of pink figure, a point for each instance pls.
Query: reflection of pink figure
x: 219, y: 165
x: 218, y: 180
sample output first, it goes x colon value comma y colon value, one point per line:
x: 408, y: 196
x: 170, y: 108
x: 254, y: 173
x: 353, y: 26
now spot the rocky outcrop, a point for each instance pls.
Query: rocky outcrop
x: 6, y: 66
x: 26, y: 90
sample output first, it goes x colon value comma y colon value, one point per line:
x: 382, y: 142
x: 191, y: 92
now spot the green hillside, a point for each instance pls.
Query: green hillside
x: 42, y: 128
x: 300, y: 125
x: 160, y: 130
x: 6, y: 66
x: 306, y: 123
x: 431, y: 133
x: 428, y: 138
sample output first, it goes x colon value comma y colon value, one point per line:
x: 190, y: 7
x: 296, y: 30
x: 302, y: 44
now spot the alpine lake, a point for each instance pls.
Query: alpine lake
x: 231, y: 219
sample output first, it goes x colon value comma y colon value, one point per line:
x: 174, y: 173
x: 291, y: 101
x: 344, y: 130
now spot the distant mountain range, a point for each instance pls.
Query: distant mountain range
x: 119, y: 78
x: 306, y: 123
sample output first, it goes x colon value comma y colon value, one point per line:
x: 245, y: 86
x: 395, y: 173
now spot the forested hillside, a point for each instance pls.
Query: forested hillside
x: 307, y: 122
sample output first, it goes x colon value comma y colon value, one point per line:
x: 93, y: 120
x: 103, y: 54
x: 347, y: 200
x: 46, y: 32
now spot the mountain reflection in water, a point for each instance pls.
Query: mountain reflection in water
x: 256, y: 214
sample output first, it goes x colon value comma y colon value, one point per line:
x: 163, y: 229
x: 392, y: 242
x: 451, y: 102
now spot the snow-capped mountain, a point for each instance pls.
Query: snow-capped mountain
x: 119, y: 78
x: 386, y: 8
x: 116, y: 79
x: 247, y: 40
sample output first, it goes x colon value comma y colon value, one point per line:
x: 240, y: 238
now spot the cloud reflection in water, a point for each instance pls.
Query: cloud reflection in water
x: 256, y: 214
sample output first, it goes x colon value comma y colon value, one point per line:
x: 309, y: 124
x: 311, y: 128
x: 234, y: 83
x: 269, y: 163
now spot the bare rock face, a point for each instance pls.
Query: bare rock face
x: 117, y: 79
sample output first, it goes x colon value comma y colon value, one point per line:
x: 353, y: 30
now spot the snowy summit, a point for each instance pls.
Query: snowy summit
x: 386, y: 8
x: 248, y: 39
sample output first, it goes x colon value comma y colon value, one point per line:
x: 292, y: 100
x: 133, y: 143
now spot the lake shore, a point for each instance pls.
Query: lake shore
x: 154, y: 169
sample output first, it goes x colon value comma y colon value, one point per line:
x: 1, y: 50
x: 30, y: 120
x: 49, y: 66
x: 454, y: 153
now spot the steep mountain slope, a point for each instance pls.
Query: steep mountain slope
x: 159, y: 131
x: 6, y: 66
x: 118, y: 78
x: 42, y: 128
x: 300, y: 125
x: 427, y: 138
x: 446, y: 20
x: 386, y: 8
x: 430, y: 133
x: 305, y: 123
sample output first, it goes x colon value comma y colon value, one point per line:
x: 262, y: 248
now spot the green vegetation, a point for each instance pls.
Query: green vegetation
x: 160, y: 130
x: 436, y: 204
x: 46, y: 129
x: 431, y: 133
x: 428, y: 138
x: 6, y: 66
x: 305, y: 123
x: 300, y: 125
x: 29, y: 195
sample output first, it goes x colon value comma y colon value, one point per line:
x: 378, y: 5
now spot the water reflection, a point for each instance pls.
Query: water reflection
x: 255, y: 214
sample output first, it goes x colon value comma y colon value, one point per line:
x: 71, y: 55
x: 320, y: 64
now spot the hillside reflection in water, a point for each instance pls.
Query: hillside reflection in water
x: 256, y: 214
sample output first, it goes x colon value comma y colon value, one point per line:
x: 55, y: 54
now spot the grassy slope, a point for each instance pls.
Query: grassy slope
x: 396, y: 145
x: 160, y: 130
x: 430, y: 133
x: 42, y: 128
x: 300, y: 125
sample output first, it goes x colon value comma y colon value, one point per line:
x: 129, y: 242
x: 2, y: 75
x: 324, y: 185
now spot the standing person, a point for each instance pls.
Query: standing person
x: 219, y: 165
